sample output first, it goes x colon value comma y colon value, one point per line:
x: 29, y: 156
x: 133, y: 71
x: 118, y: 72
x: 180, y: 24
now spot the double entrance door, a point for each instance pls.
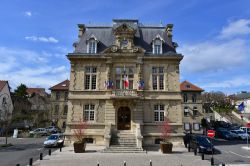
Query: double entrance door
x: 124, y: 118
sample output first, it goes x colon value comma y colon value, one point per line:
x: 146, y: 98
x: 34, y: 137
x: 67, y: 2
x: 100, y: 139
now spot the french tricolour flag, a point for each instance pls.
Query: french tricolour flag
x: 125, y: 81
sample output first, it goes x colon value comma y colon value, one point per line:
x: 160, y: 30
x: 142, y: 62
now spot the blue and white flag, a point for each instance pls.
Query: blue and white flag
x: 109, y: 84
x: 140, y: 84
x: 241, y: 107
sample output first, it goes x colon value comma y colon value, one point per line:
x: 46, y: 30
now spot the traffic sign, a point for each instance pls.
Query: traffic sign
x: 211, y: 133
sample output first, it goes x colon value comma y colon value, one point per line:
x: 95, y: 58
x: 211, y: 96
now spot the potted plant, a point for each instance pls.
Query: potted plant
x: 165, y: 145
x: 79, y: 135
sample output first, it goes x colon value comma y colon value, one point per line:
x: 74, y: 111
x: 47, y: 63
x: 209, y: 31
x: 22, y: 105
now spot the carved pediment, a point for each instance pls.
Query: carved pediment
x: 124, y: 29
x: 116, y: 49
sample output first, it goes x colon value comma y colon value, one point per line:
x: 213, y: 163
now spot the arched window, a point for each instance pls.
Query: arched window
x: 92, y: 45
x: 157, y: 45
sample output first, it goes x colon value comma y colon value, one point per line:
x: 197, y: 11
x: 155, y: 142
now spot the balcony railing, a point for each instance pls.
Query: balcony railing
x: 125, y: 93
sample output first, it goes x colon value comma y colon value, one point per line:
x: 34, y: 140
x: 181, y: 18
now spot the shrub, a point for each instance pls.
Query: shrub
x: 165, y: 130
x: 79, y: 131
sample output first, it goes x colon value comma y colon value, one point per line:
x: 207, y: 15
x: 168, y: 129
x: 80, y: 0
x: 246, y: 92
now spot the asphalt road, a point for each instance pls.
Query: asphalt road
x: 22, y: 151
x: 230, y: 152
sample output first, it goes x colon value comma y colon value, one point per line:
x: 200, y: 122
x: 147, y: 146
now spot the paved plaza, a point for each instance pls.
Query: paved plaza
x: 93, y: 155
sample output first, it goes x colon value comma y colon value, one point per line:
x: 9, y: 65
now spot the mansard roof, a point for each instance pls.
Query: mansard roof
x: 187, y: 86
x: 143, y: 37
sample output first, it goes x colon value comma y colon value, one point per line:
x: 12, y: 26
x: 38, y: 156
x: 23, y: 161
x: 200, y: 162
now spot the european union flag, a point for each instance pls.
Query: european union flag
x: 241, y: 107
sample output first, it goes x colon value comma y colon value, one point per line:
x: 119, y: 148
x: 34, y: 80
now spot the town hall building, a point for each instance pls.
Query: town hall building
x: 124, y: 81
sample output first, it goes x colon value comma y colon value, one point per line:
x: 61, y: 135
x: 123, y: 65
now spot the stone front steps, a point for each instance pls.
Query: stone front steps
x: 123, y: 142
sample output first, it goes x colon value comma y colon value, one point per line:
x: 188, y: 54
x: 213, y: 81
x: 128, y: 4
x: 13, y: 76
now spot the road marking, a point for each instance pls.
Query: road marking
x: 239, y: 155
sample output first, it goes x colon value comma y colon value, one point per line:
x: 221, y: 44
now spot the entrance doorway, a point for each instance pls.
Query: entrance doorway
x: 124, y: 118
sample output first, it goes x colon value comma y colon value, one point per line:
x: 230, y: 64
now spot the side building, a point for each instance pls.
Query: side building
x: 124, y: 81
x: 192, y: 107
x: 59, y: 104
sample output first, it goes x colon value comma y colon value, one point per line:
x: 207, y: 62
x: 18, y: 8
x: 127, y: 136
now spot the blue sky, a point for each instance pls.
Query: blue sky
x: 213, y: 36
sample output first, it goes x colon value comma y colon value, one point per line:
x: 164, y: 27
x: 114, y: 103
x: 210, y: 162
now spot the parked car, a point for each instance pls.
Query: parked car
x: 40, y: 131
x: 245, y: 129
x: 54, y: 140
x: 202, y: 143
x: 52, y: 129
x: 227, y: 135
x: 241, y: 134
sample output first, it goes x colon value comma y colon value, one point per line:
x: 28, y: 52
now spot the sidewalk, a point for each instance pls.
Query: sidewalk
x: 93, y: 155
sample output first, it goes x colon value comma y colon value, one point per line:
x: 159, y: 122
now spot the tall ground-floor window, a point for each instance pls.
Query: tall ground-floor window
x: 89, y: 112
x: 159, y: 113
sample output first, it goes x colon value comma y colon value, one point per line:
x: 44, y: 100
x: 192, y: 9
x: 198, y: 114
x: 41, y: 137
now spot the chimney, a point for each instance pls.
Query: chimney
x: 81, y: 30
x: 169, y: 30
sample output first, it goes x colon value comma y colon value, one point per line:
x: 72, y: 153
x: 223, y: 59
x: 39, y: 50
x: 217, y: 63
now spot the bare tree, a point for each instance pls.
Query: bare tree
x: 5, y: 115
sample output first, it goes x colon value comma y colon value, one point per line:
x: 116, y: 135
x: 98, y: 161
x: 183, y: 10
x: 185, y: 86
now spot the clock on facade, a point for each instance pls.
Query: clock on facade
x: 124, y: 43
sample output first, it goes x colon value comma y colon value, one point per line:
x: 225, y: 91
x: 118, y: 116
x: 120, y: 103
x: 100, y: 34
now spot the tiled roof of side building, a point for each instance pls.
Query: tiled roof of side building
x: 2, y: 84
x: 187, y: 86
x: 35, y: 90
x: 61, y: 86
x: 143, y: 38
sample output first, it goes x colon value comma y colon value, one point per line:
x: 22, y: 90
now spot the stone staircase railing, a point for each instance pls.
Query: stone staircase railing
x: 107, y: 136
x: 138, y: 136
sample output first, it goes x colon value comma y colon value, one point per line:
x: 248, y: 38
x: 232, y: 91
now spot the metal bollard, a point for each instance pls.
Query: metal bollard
x: 41, y: 156
x: 195, y: 151
x: 202, y: 156
x: 97, y: 163
x: 60, y: 149
x: 188, y: 148
x: 49, y: 152
x: 17, y: 164
x: 124, y: 163
x: 212, y: 161
x: 150, y: 163
x: 223, y: 164
x: 31, y: 161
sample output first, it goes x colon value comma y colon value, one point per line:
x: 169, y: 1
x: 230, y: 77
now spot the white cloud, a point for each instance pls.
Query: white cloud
x: 28, y: 13
x: 232, y: 83
x: 31, y: 68
x: 42, y: 39
x: 213, y: 56
x: 236, y: 28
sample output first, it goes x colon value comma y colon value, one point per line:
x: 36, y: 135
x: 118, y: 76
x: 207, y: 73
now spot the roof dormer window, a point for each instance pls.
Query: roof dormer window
x: 157, y: 45
x: 92, y: 45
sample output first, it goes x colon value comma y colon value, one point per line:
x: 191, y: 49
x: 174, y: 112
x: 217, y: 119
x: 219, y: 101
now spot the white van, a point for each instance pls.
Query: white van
x: 245, y: 129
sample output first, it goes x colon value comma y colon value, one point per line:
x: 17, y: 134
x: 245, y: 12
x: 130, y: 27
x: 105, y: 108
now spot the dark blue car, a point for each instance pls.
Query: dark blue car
x: 202, y: 144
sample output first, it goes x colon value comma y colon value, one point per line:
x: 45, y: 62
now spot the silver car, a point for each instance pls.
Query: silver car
x: 40, y: 131
x: 54, y: 140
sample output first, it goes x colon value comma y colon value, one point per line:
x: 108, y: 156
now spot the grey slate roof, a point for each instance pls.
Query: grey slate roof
x: 143, y: 37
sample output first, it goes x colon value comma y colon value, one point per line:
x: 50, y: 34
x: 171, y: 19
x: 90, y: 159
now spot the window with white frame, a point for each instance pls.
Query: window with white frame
x: 186, y: 111
x: 90, y: 78
x: 159, y: 113
x: 92, y: 46
x: 157, y: 46
x: 89, y: 112
x: 158, y: 78
x: 120, y: 73
x: 196, y: 126
x: 186, y: 126
x: 195, y: 111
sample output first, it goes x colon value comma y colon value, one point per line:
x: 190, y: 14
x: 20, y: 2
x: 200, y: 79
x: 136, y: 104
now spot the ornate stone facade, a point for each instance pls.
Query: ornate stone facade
x: 125, y: 77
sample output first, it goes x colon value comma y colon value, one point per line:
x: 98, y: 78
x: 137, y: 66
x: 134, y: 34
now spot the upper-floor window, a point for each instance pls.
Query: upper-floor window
x: 4, y: 102
x: 90, y: 78
x: 194, y: 98
x: 56, y: 110
x: 159, y: 113
x: 185, y: 97
x: 195, y: 111
x: 57, y: 95
x: 92, y: 45
x: 122, y: 75
x: 66, y: 95
x: 157, y: 45
x: 158, y: 78
x: 186, y: 111
x: 65, y: 111
x: 89, y: 112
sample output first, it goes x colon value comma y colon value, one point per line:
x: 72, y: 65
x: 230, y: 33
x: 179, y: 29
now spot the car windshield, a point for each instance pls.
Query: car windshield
x: 204, y: 140
x: 241, y: 132
x: 53, y: 137
x: 226, y: 132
